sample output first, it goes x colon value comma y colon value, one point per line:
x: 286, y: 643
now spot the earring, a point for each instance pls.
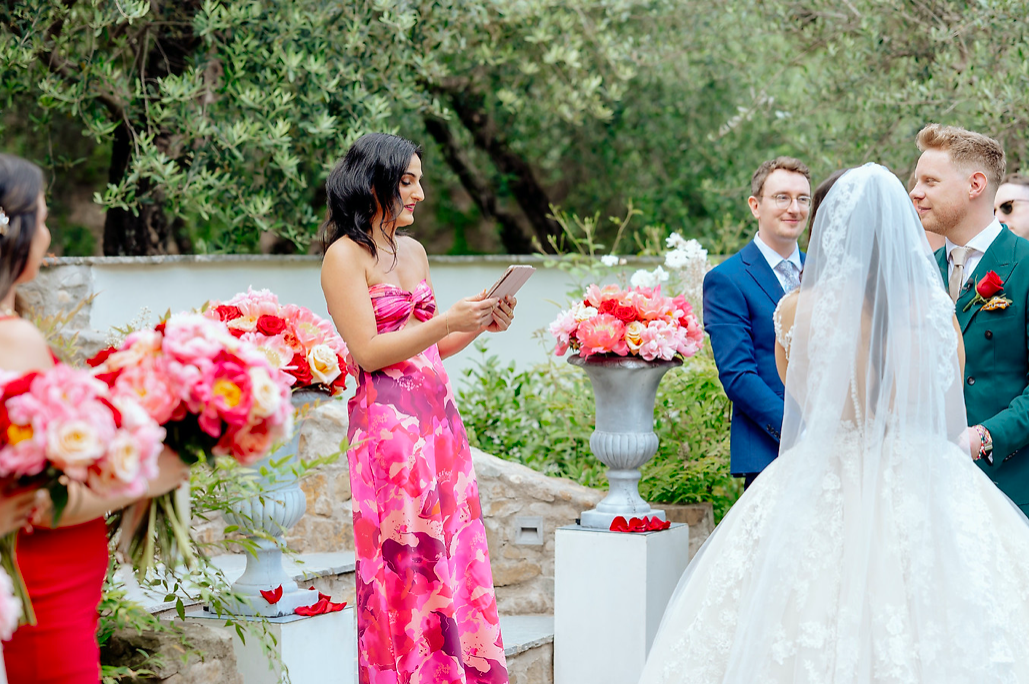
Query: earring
x: 4, y: 222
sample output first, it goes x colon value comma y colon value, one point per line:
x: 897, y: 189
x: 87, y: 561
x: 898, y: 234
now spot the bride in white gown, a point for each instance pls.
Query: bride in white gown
x: 872, y: 549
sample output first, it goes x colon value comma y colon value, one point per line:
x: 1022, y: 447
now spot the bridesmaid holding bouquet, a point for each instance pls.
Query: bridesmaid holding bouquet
x: 63, y: 568
x: 426, y: 607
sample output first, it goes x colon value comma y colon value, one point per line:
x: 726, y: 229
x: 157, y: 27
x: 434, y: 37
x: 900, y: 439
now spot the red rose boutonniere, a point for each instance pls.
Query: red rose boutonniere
x: 986, y: 293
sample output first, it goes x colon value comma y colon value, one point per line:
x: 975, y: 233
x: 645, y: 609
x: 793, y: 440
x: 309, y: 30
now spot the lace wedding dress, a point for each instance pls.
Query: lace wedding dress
x: 872, y: 549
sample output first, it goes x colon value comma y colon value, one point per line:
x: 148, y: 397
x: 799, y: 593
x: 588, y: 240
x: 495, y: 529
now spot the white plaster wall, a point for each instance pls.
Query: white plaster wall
x: 124, y: 286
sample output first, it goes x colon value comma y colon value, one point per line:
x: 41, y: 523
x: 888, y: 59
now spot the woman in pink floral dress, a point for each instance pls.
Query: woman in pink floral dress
x: 426, y: 609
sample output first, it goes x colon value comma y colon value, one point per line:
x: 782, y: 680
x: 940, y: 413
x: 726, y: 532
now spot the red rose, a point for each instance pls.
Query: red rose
x: 227, y: 313
x: 990, y: 285
x: 608, y: 306
x: 159, y: 328
x: 301, y: 370
x: 237, y: 333
x: 100, y: 357
x: 626, y: 313
x: 270, y: 325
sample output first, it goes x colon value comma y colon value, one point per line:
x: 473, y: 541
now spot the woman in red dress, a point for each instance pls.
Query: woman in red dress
x: 63, y: 568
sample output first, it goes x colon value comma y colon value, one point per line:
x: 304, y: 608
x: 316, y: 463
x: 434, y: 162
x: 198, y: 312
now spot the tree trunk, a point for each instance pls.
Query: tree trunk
x: 531, y: 196
x: 165, y: 47
x: 512, y: 236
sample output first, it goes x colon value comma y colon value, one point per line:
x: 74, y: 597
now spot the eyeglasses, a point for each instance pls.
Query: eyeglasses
x: 783, y: 201
x: 1007, y: 207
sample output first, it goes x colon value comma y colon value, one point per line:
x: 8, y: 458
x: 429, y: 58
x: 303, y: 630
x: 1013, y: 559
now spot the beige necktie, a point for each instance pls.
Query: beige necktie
x: 957, y: 274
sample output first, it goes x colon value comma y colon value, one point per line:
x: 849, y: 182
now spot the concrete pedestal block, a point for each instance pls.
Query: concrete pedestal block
x: 316, y: 650
x: 611, y: 590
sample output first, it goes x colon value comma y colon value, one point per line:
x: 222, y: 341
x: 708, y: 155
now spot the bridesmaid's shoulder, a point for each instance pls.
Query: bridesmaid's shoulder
x: 22, y: 345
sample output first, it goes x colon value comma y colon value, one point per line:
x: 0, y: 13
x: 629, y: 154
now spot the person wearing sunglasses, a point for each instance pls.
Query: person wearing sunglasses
x: 1011, y: 205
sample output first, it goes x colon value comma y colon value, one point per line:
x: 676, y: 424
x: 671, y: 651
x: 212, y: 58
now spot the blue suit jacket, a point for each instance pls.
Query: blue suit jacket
x: 740, y: 296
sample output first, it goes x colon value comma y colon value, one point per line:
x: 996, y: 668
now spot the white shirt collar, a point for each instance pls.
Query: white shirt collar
x: 981, y: 242
x: 774, y: 258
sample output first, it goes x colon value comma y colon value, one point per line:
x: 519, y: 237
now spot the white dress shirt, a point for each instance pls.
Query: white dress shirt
x: 979, y: 244
x: 774, y: 259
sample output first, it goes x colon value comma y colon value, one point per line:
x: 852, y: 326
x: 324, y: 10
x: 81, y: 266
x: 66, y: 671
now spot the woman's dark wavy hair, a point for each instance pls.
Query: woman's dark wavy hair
x: 372, y: 168
x: 21, y: 183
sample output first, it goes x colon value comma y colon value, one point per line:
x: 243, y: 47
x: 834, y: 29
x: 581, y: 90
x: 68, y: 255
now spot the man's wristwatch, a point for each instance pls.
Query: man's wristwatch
x: 985, y: 444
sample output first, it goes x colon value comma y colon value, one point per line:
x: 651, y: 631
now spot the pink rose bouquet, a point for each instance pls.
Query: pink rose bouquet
x: 638, y: 321
x: 63, y: 425
x: 214, y: 393
x: 303, y: 347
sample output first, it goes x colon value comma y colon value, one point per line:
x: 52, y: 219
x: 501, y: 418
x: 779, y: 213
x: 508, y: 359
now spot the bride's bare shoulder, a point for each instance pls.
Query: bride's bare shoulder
x: 786, y: 309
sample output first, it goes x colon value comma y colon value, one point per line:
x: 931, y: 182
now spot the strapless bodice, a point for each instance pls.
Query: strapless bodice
x: 393, y: 306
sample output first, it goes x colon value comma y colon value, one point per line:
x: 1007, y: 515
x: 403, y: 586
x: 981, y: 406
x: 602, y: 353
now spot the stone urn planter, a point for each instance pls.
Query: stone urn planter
x: 624, y: 389
x: 274, y: 512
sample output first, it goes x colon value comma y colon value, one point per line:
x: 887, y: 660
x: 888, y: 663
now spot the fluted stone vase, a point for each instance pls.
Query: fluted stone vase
x: 279, y: 507
x: 624, y: 389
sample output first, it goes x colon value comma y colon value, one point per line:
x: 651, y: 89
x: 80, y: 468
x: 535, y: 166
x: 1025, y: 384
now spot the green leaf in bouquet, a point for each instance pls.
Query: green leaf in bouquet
x: 58, y: 498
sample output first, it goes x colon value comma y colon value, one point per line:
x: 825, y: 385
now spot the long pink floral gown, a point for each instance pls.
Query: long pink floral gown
x: 426, y: 609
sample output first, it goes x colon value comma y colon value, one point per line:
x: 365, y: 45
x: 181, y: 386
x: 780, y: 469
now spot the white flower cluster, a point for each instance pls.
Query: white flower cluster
x: 682, y: 252
x: 649, y: 279
x: 689, y: 261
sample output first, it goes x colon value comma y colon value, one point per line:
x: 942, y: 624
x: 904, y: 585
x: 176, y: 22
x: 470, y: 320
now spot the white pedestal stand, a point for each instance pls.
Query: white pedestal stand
x: 320, y: 649
x: 611, y: 589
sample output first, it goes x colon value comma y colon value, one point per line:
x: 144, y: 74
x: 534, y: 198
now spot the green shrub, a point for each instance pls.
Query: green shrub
x: 543, y: 418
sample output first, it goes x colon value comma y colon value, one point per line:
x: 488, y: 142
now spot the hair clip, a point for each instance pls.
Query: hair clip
x: 4, y: 222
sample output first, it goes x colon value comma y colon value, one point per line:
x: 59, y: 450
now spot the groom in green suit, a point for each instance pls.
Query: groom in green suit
x: 985, y: 267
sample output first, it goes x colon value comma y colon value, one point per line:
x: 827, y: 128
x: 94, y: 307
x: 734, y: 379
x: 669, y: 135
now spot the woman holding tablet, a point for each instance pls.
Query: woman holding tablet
x: 426, y: 608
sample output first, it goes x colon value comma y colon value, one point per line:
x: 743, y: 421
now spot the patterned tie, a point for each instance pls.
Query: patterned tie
x: 957, y: 274
x: 790, y: 279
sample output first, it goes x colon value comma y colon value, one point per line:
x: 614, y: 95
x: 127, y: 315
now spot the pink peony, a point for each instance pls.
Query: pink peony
x: 150, y: 385
x: 563, y: 327
x: 655, y: 307
x: 660, y: 341
x: 247, y: 444
x: 602, y: 334
x: 224, y: 393
x: 595, y: 296
x: 192, y: 339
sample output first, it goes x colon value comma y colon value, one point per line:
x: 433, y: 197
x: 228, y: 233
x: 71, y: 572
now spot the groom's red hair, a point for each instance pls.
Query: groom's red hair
x: 967, y: 148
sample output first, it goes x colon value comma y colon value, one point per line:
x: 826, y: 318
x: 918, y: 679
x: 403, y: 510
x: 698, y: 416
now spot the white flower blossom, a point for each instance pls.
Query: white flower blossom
x: 609, y: 260
x: 583, y: 312
x: 649, y: 279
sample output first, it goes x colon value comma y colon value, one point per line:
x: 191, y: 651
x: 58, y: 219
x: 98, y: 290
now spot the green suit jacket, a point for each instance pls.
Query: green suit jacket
x: 997, y: 362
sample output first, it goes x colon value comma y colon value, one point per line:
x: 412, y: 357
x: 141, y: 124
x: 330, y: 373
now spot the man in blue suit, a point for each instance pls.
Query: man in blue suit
x: 740, y: 295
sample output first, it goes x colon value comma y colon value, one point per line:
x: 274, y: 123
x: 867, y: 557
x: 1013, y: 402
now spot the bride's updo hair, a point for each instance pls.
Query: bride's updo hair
x: 21, y: 184
x: 818, y: 196
x: 372, y: 168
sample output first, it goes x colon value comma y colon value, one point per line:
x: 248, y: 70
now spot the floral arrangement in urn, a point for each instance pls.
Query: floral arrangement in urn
x: 302, y: 346
x: 214, y: 393
x: 63, y: 425
x: 638, y: 321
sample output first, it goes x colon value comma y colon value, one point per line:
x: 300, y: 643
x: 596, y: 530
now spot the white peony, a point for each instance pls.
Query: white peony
x: 583, y: 312
x: 324, y: 364
x: 73, y: 446
x: 123, y: 458
x: 267, y: 398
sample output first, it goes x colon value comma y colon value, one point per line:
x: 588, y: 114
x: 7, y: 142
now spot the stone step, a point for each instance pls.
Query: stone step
x: 528, y: 639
